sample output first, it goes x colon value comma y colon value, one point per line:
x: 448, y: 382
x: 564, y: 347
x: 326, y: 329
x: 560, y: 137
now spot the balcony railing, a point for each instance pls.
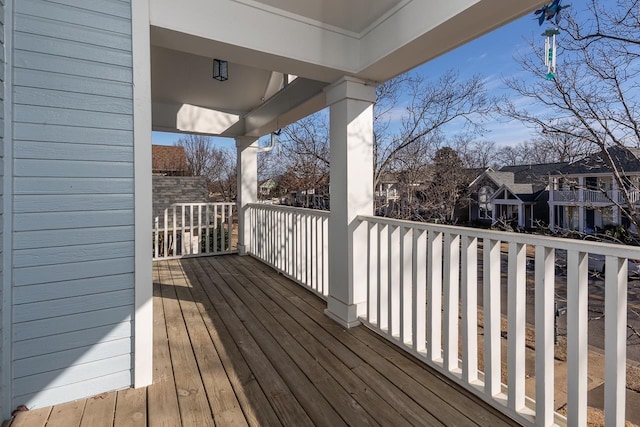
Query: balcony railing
x: 194, y: 229
x: 294, y: 242
x: 594, y: 196
x: 423, y: 287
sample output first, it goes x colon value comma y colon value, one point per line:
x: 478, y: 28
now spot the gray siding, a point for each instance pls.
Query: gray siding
x: 2, y: 91
x: 73, y: 204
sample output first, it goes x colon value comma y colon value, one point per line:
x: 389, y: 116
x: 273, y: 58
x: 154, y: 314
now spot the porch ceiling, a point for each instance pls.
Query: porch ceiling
x: 321, y: 41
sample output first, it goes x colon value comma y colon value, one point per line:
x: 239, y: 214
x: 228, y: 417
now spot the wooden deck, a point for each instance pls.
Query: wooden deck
x: 237, y: 344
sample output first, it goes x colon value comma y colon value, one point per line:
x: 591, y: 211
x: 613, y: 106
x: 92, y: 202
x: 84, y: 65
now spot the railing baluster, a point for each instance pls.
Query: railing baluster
x: 615, y: 341
x: 394, y: 282
x: 207, y: 228
x: 406, y: 284
x: 165, y: 243
x: 419, y: 291
x: 451, y: 300
x: 383, y: 277
x: 545, y: 289
x: 223, y: 244
x: 516, y: 312
x: 491, y: 306
x: 175, y: 232
x: 470, y: 309
x: 577, y: 343
x: 434, y: 296
x: 190, y: 250
x: 199, y: 230
x: 215, y: 230
x: 372, y: 275
x: 325, y: 256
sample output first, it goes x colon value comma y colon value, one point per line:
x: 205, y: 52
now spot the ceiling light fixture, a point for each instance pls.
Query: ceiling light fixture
x: 220, y: 70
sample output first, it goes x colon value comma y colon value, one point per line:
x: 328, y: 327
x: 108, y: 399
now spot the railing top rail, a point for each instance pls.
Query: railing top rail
x: 305, y: 211
x: 201, y: 204
x: 598, y: 248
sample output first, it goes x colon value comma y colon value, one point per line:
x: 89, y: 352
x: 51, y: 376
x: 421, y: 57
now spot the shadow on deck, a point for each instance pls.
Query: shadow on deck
x: 235, y: 344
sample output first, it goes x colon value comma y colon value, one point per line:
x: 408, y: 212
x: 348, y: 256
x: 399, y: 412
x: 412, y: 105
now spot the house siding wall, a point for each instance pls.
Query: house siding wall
x: 2, y: 96
x: 73, y: 201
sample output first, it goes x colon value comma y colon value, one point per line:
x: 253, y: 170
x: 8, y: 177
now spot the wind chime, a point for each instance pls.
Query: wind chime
x: 547, y: 13
x: 550, y: 52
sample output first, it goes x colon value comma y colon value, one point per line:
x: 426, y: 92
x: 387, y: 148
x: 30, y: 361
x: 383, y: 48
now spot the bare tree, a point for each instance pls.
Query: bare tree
x: 432, y: 105
x: 306, y: 156
x: 216, y: 164
x: 596, y: 88
x: 475, y: 154
x: 447, y: 188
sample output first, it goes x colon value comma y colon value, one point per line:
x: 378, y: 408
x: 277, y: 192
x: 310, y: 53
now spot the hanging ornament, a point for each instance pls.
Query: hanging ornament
x: 550, y: 52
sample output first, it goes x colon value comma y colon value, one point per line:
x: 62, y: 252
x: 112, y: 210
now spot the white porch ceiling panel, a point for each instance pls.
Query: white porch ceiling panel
x: 319, y: 40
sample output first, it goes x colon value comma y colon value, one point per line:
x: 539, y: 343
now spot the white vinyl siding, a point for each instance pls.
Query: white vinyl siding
x: 73, y: 201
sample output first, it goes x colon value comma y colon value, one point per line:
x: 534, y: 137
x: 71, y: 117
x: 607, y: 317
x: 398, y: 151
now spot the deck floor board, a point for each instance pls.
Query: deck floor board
x: 235, y: 343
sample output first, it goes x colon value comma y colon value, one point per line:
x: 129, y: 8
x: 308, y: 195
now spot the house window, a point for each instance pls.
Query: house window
x: 607, y: 216
x: 484, y: 207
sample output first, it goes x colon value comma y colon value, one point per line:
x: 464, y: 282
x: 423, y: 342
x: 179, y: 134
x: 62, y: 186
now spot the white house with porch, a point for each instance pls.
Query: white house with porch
x: 586, y: 195
x: 84, y: 84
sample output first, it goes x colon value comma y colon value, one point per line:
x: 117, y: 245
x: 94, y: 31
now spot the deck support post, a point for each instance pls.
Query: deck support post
x: 351, y: 116
x: 247, y: 175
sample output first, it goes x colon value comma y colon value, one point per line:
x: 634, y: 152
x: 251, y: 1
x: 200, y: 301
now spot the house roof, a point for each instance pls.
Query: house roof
x: 625, y: 159
x: 537, y: 174
x: 168, y: 159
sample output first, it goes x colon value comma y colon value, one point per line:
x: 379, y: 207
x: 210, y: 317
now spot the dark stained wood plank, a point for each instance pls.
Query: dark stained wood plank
x: 255, y: 405
x: 99, y: 411
x: 162, y: 398
x: 192, y: 398
x: 131, y: 407
x: 224, y: 404
x: 283, y: 402
x: 386, y: 394
x: 346, y: 406
x: 67, y: 414
x: 34, y: 418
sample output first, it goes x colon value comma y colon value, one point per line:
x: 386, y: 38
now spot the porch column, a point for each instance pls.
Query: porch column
x: 581, y: 210
x: 521, y: 215
x: 615, y: 196
x: 351, y: 189
x: 552, y: 217
x: 247, y: 176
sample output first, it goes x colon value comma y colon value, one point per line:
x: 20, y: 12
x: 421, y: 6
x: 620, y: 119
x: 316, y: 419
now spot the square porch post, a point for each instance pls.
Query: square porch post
x: 351, y: 116
x: 247, y: 176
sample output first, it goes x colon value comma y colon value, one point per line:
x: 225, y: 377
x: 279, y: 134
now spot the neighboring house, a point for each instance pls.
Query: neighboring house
x: 387, y: 190
x: 585, y: 196
x: 267, y: 188
x: 168, y: 160
x: 515, y: 194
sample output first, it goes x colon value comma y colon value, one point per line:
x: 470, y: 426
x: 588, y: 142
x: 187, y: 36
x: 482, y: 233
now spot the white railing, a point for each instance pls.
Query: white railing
x: 422, y: 289
x: 293, y: 241
x: 194, y: 229
x: 594, y: 196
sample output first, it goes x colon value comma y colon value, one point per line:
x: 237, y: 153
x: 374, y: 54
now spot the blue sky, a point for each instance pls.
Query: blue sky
x: 491, y: 56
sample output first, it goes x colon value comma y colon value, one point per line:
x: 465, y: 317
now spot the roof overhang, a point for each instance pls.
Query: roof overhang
x: 321, y: 41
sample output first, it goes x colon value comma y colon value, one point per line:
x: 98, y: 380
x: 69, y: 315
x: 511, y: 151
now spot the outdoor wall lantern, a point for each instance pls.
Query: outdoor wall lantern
x: 220, y: 70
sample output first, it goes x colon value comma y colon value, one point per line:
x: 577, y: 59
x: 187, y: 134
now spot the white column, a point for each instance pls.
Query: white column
x: 552, y: 216
x: 351, y: 190
x: 143, y: 300
x: 247, y: 175
x: 521, y: 215
x: 581, y: 210
x: 615, y: 191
